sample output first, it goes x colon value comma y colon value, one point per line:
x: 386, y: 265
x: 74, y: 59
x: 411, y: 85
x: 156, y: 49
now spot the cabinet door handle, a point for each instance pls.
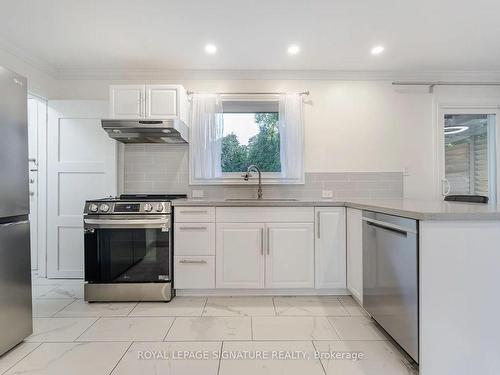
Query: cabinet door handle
x: 194, y: 212
x: 141, y: 112
x: 319, y: 224
x: 193, y: 261
x: 261, y: 241
x: 192, y: 228
x: 268, y: 240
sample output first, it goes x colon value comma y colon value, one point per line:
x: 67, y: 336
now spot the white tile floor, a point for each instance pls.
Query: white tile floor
x: 196, y: 335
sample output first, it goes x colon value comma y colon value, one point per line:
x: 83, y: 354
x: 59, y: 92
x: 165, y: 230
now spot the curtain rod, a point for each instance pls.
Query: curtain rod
x: 442, y: 83
x: 251, y: 93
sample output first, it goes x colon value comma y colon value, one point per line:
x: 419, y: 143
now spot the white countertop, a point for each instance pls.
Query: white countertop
x: 415, y: 209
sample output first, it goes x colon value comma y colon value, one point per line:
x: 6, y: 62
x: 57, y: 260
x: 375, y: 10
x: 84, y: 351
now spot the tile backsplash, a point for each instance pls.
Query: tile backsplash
x: 162, y: 168
x: 155, y: 168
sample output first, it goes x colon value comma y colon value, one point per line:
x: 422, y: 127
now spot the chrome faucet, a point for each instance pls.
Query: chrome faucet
x: 247, y: 175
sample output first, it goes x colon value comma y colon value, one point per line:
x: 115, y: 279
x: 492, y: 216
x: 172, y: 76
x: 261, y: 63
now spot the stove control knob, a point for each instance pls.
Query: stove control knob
x: 104, y: 207
x: 159, y: 207
x: 93, y: 207
x: 148, y: 207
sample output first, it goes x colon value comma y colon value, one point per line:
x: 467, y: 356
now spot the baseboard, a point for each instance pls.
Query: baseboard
x: 261, y: 292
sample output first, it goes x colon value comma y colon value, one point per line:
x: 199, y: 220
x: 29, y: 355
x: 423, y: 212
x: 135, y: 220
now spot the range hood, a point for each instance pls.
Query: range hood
x: 172, y: 131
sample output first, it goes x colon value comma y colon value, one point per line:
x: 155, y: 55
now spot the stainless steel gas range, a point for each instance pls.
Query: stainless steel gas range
x: 128, y: 248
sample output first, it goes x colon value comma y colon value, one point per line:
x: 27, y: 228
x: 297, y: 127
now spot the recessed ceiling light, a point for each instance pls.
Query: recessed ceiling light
x: 293, y: 49
x: 210, y: 48
x: 377, y: 50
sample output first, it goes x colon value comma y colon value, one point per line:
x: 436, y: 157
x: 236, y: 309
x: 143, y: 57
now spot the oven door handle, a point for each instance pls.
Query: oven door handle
x: 128, y: 223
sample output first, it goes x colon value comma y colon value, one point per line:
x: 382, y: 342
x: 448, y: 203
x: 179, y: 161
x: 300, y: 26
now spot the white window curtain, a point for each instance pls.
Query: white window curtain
x: 291, y: 127
x: 206, y: 136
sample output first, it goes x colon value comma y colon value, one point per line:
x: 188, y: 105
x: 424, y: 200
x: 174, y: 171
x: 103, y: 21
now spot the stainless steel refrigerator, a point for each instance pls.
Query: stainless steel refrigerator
x: 15, y: 268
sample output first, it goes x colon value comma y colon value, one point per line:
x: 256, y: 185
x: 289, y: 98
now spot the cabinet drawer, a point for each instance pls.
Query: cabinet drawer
x: 265, y: 214
x: 194, y: 214
x: 194, y: 239
x: 194, y: 272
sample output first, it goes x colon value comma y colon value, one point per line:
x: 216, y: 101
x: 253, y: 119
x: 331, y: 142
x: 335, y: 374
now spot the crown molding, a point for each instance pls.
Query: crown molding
x: 158, y: 74
x: 28, y: 58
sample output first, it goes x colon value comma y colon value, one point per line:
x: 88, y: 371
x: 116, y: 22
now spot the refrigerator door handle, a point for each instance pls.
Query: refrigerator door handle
x: 14, y: 223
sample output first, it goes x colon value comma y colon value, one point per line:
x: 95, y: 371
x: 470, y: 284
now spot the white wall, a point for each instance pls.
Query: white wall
x: 354, y: 126
x: 350, y: 126
x: 39, y: 82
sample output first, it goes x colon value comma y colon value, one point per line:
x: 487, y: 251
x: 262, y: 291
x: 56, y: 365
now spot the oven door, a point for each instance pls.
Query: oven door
x: 128, y: 249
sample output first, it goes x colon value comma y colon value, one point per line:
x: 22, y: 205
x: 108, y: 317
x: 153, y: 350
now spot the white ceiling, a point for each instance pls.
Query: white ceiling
x: 334, y: 35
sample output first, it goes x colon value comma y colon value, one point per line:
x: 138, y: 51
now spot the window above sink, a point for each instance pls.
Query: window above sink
x: 252, y: 133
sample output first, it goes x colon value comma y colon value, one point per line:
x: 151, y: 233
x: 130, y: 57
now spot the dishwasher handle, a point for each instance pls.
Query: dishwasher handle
x: 389, y: 227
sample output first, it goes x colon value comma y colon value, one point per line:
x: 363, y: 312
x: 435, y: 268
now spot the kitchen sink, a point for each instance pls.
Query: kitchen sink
x: 262, y: 199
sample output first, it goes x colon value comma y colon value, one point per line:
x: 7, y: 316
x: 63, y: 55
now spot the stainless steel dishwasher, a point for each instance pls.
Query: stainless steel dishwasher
x: 390, y: 276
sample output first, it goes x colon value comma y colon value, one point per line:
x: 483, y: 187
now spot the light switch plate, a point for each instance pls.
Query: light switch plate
x: 197, y: 194
x: 327, y: 194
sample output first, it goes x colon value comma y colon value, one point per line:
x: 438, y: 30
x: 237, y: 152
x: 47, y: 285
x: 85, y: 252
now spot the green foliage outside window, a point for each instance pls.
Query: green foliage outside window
x: 263, y: 149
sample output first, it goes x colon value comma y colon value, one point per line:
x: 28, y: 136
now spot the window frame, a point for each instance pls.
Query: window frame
x: 236, y: 178
x: 468, y: 109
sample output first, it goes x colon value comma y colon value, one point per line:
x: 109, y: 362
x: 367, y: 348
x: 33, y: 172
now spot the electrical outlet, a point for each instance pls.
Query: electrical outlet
x: 197, y: 194
x: 327, y: 194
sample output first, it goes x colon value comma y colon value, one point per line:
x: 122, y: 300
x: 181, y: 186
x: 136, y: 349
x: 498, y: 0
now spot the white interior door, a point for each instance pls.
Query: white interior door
x: 468, y: 141
x: 82, y: 164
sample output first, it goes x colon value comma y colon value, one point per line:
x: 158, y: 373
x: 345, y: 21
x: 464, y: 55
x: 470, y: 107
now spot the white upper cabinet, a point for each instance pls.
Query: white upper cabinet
x: 355, y: 253
x: 290, y: 255
x: 330, y: 247
x: 148, y: 101
x: 127, y: 101
x: 161, y: 101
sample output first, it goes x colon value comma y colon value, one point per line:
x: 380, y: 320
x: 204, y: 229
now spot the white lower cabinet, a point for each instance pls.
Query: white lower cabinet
x: 257, y: 255
x: 240, y: 255
x: 355, y: 253
x: 257, y: 248
x: 194, y: 272
x: 330, y: 247
x: 290, y: 255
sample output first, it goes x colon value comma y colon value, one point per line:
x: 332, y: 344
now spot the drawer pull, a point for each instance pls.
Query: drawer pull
x: 193, y: 261
x: 195, y: 212
x: 193, y: 228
